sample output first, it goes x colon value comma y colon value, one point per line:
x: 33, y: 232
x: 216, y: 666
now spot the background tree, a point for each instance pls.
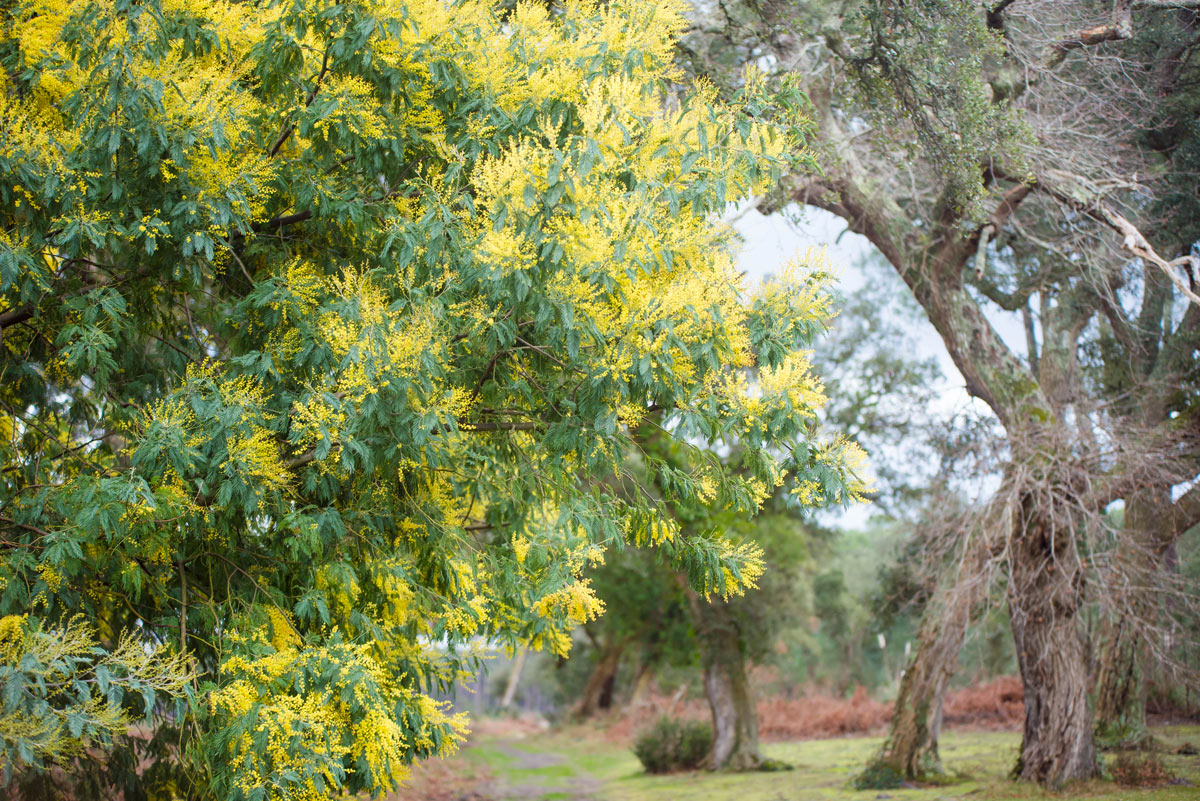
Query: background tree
x: 879, y: 395
x: 732, y: 634
x: 727, y: 632
x: 644, y: 626
x: 1003, y: 160
x: 322, y: 328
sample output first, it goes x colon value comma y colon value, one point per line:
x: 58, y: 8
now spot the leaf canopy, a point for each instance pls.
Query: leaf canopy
x: 327, y: 328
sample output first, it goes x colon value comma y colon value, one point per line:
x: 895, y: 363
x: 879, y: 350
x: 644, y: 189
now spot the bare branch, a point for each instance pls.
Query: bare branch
x: 1065, y: 189
x: 286, y: 133
x: 1120, y: 28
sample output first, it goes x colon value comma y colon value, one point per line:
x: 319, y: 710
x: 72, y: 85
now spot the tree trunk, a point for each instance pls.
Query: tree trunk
x: 911, y: 747
x: 735, y: 720
x: 1045, y: 589
x: 1121, y: 682
x: 734, y: 717
x: 1121, y: 688
x: 642, y: 685
x: 514, y: 680
x: 598, y: 693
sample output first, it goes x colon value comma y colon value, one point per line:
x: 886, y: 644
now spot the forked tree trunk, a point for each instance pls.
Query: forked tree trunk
x: 598, y: 693
x: 735, y: 719
x: 1045, y: 593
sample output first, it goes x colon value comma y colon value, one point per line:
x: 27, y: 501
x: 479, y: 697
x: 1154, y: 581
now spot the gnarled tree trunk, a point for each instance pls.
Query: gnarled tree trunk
x: 730, y: 698
x: 1045, y: 595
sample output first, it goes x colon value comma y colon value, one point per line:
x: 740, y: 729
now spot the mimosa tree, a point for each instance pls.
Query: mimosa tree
x: 325, y: 328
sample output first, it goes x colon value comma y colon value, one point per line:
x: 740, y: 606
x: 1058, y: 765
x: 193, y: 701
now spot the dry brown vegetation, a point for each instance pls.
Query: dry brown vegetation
x: 992, y: 705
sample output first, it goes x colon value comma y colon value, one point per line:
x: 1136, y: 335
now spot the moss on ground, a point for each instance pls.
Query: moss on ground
x: 576, y: 764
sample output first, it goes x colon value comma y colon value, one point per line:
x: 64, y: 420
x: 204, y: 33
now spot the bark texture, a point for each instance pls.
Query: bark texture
x: 911, y: 747
x: 1045, y: 593
x: 735, y: 719
x: 730, y: 697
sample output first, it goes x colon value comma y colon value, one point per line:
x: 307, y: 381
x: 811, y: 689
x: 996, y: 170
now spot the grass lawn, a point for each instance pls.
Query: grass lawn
x: 576, y: 764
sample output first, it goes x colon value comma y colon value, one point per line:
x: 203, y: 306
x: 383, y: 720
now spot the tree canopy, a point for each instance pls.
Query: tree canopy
x: 325, y: 329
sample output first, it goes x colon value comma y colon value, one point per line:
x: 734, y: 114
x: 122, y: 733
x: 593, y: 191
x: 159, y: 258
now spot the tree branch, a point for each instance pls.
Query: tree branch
x: 1060, y: 188
x: 988, y: 366
x: 32, y: 529
x: 1119, y: 29
x: 1009, y: 301
x: 282, y: 221
x: 839, y: 196
x: 995, y: 15
x: 1008, y: 204
x: 1185, y: 512
x: 1133, y: 240
x: 312, y: 95
x: 16, y: 316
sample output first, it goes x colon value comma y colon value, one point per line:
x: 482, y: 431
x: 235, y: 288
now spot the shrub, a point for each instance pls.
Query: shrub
x: 1132, y: 769
x: 878, y: 775
x: 671, y: 745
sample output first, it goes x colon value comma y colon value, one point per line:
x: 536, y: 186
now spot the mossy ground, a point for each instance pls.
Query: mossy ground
x: 577, y: 764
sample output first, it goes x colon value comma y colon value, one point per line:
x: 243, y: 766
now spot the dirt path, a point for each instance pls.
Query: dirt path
x: 541, y: 779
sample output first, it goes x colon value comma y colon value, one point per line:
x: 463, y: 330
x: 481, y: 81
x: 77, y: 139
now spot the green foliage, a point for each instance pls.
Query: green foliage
x: 62, y: 690
x: 326, y: 332
x: 920, y: 64
x: 669, y: 745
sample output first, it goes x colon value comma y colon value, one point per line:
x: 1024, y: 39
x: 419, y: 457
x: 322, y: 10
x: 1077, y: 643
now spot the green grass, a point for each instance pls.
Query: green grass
x: 575, y: 763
